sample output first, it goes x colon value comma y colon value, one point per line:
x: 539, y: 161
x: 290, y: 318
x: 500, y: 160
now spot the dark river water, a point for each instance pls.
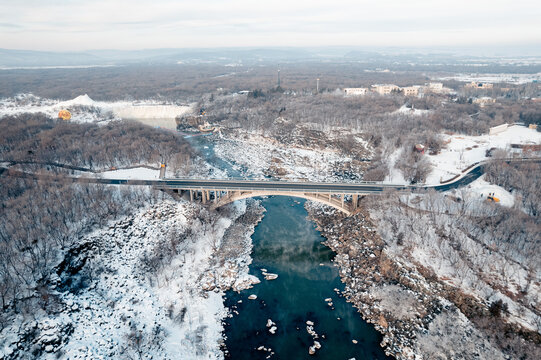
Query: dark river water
x: 286, y: 243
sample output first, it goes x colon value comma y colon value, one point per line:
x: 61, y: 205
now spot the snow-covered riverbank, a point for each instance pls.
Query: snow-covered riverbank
x: 419, y: 317
x: 148, y: 284
x: 259, y: 157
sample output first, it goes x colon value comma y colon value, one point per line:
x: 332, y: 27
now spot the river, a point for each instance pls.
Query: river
x: 287, y: 243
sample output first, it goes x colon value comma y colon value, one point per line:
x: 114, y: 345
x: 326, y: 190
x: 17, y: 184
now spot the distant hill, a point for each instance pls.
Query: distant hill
x: 28, y: 58
x: 385, y: 58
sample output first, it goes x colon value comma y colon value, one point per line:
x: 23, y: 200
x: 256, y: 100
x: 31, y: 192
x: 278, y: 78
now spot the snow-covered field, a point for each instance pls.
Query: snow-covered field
x: 494, y: 78
x: 84, y: 109
x: 139, y: 173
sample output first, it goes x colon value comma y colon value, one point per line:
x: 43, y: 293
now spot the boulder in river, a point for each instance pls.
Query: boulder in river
x: 270, y: 276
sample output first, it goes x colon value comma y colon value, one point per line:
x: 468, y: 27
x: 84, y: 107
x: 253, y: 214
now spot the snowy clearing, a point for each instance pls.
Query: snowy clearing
x: 470, y: 198
x: 409, y: 111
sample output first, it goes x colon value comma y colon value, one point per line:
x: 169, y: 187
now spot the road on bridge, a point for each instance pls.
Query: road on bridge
x: 249, y: 185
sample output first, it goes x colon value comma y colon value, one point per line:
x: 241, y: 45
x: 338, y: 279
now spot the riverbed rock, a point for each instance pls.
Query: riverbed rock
x: 270, y: 276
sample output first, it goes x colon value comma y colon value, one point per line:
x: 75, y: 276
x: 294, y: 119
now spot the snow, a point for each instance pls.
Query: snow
x: 170, y: 302
x: 494, y: 78
x: 84, y: 100
x: 55, y: 67
x: 253, y: 155
x: 395, y: 176
x: 461, y: 151
x: 452, y: 336
x: 139, y: 173
x: 409, y: 111
x: 480, y: 189
x: 469, y: 198
x: 85, y: 109
x: 438, y: 239
x: 126, y: 293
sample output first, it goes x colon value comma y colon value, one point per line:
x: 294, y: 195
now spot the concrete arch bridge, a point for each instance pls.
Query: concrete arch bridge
x: 217, y: 193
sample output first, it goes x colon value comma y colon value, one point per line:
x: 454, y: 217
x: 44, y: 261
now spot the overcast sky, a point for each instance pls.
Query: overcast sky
x: 135, y: 24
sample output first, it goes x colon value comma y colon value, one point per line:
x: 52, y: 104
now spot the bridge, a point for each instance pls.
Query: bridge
x: 217, y: 193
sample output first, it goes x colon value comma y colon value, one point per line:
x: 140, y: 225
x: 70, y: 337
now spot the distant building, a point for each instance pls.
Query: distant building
x: 484, y: 101
x: 384, y: 89
x: 410, y: 90
x: 355, y: 91
x: 479, y: 85
x: 420, y: 148
x: 436, y: 87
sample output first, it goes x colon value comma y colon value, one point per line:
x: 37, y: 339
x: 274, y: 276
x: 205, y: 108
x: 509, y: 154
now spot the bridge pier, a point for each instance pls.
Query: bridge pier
x: 216, y: 197
x: 354, y: 201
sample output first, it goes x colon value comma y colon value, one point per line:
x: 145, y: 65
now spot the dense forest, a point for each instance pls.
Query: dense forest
x: 36, y: 138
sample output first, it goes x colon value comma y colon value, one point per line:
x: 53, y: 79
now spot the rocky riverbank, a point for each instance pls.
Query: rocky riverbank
x: 150, y: 283
x: 419, y: 316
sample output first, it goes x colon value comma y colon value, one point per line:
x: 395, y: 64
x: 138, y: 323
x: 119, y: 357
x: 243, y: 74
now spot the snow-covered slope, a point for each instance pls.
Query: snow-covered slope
x: 84, y: 109
x: 150, y: 284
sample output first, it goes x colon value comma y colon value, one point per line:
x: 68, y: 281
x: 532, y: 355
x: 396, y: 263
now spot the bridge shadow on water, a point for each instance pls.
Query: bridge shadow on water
x: 287, y: 243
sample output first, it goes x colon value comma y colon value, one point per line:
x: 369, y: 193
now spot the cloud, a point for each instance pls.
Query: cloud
x: 81, y: 25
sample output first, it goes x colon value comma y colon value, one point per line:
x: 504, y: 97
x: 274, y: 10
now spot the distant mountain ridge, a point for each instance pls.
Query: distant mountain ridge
x: 388, y: 57
x: 28, y: 58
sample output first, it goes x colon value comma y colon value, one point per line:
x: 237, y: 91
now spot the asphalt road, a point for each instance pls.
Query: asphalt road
x: 234, y: 185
